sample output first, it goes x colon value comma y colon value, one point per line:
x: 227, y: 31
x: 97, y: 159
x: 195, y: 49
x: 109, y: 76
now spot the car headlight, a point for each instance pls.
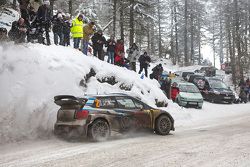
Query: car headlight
x: 216, y: 92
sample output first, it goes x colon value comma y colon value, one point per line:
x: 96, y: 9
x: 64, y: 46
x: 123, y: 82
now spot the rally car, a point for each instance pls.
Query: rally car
x: 96, y: 116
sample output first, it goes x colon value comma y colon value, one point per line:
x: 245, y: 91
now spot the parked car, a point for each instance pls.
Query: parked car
x: 192, y: 77
x: 216, y: 90
x: 189, y: 95
x: 208, y: 71
x: 96, y: 116
x: 184, y: 74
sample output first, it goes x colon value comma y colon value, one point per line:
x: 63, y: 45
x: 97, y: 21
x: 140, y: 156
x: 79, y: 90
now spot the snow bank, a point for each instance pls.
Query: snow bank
x: 32, y: 74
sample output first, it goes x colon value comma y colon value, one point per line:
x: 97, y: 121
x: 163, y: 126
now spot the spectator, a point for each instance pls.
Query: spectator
x: 98, y: 41
x: 119, y: 59
x: 88, y: 31
x: 157, y: 71
x: 119, y: 46
x: 243, y: 96
x: 133, y: 53
x: 35, y: 4
x: 77, y: 30
x: 3, y: 34
x: 66, y: 30
x: 144, y: 63
x: 44, y: 16
x: 171, y: 75
x: 18, y: 31
x: 111, y: 49
x: 23, y: 5
x: 57, y: 29
x: 174, y: 91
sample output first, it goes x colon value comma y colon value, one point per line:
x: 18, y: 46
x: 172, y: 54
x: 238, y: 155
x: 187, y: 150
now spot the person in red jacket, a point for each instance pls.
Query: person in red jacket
x: 119, y: 47
x: 174, y: 91
x: 119, y: 59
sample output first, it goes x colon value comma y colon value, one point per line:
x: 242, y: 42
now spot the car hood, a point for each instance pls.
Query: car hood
x: 189, y: 95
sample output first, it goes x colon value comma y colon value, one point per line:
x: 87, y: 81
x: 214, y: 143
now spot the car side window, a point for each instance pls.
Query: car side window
x: 125, y: 103
x: 107, y: 102
x: 138, y: 105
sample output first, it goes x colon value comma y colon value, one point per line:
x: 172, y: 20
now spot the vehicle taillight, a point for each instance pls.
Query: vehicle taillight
x: 82, y: 114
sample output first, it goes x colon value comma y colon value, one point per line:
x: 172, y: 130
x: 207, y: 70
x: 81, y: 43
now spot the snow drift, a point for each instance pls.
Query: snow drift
x: 32, y: 74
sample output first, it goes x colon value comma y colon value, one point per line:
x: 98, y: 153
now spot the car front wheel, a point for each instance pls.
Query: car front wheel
x: 99, y: 130
x: 163, y: 125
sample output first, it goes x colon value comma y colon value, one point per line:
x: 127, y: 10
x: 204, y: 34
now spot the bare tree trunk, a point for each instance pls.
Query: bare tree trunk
x: 172, y: 54
x: 114, y: 18
x: 231, y: 44
x: 238, y: 39
x: 192, y: 38
x: 199, y: 41
x: 159, y: 29
x: 176, y: 33
x: 213, y: 43
x: 185, y: 35
x: 131, y: 23
x: 122, y: 20
x: 70, y: 7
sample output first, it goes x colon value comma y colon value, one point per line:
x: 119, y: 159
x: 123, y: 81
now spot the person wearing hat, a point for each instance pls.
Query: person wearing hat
x: 77, y: 30
x: 88, y: 31
x: 44, y: 16
x: 98, y: 41
x: 58, y: 29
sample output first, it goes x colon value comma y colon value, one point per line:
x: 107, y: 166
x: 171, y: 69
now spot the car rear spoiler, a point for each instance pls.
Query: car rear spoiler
x: 63, y: 100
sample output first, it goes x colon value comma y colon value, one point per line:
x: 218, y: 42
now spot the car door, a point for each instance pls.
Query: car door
x: 132, y: 114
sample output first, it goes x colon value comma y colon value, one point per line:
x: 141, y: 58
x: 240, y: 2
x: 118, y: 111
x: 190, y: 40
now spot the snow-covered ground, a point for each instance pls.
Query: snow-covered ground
x: 32, y: 74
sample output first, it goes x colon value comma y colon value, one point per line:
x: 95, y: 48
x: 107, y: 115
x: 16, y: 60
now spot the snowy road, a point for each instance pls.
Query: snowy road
x: 225, y: 144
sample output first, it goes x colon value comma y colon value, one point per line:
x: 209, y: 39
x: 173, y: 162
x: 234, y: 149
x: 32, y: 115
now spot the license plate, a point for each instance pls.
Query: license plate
x: 192, y: 103
x: 227, y: 97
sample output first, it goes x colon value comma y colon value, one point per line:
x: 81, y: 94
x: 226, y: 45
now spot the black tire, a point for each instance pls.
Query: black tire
x: 99, y: 130
x: 163, y: 125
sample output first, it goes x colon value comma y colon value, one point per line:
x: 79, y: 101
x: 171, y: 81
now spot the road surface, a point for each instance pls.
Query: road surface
x: 226, y: 143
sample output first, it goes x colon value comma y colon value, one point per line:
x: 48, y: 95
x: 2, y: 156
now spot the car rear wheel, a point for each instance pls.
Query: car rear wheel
x: 99, y: 130
x: 163, y: 125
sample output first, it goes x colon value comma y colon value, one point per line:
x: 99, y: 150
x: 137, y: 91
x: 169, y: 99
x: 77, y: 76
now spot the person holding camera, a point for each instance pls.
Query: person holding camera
x: 98, y: 41
x: 133, y: 53
x: 111, y: 49
x: 144, y: 63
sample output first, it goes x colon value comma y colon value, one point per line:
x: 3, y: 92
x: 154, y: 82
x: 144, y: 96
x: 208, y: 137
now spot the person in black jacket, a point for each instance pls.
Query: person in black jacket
x: 144, y: 63
x: 18, y: 31
x: 111, y: 49
x: 98, y: 41
x: 157, y: 71
x: 57, y: 29
x: 66, y: 30
x: 44, y: 16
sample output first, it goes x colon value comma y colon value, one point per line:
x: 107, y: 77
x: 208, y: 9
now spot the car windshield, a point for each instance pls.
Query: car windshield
x: 188, y: 88
x: 217, y: 84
